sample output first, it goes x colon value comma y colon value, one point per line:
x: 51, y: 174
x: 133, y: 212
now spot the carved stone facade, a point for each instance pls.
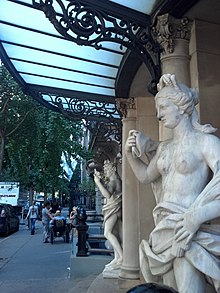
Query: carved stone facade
x: 124, y: 104
x: 168, y: 29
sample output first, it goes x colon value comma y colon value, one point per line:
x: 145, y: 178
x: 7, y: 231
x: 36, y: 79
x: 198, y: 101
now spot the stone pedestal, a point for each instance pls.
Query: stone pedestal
x: 111, y: 273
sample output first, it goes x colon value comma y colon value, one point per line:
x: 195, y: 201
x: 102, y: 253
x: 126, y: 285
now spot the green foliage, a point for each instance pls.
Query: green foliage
x: 35, y: 139
x: 87, y: 186
x: 14, y: 105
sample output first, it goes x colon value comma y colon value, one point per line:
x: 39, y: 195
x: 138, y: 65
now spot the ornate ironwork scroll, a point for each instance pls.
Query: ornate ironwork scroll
x: 90, y: 25
x: 109, y: 130
x: 102, y: 119
x: 81, y: 108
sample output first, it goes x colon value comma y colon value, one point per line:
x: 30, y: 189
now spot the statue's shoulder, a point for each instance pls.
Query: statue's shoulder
x: 209, y: 143
x: 208, y: 137
x: 163, y: 145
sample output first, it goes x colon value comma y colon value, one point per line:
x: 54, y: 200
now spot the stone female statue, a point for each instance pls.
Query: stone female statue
x: 111, y: 189
x: 184, y: 247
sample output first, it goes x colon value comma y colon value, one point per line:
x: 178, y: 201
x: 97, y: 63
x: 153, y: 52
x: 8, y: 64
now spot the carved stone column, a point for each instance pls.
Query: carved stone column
x: 173, y: 35
x: 130, y: 267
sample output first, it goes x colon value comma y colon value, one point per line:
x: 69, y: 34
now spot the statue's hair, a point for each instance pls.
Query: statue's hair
x: 185, y: 99
x: 109, y: 163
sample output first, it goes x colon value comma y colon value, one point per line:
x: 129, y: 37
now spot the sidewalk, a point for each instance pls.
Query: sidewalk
x: 90, y: 268
x: 17, y: 270
x: 27, y: 265
x: 100, y: 285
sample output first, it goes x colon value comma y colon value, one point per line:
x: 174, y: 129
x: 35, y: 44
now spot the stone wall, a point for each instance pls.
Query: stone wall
x: 205, y: 70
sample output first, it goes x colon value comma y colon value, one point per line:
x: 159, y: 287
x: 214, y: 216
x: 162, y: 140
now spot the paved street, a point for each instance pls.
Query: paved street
x: 28, y: 265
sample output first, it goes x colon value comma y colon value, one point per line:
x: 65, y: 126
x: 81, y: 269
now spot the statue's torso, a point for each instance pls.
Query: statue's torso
x: 184, y: 172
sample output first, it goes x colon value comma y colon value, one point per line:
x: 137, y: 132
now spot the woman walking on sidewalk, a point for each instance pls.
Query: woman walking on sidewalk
x: 32, y: 215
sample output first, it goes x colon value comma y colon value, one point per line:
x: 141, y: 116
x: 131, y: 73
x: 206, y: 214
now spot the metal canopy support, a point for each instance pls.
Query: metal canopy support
x: 101, y: 24
x: 97, y: 24
x: 102, y: 119
x: 89, y: 24
x: 93, y: 24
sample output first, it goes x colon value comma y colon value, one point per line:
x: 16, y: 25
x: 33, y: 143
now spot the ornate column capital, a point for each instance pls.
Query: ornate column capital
x: 168, y: 29
x: 123, y: 105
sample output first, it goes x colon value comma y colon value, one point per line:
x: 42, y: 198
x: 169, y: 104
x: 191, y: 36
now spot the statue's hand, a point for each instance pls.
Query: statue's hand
x: 131, y: 141
x: 97, y: 176
x: 186, y: 228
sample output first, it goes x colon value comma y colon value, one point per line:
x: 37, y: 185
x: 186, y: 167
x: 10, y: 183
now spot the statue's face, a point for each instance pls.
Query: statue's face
x: 168, y: 112
x: 108, y: 171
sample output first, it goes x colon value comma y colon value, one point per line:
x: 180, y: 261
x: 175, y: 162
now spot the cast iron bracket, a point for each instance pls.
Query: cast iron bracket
x: 90, y: 23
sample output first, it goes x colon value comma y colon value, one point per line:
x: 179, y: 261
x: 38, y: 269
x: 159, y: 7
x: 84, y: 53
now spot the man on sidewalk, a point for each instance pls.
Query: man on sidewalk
x: 46, y: 217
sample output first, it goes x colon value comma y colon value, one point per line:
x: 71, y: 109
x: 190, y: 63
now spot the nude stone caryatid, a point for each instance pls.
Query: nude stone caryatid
x: 111, y: 189
x: 183, y: 250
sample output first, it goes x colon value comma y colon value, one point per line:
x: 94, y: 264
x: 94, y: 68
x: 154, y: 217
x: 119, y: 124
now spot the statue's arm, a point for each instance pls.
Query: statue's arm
x: 104, y: 191
x: 199, y: 214
x: 191, y: 221
x: 211, y: 152
x: 145, y: 173
x: 118, y: 186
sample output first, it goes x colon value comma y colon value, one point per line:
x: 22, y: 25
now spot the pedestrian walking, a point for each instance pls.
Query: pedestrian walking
x: 46, y: 217
x: 73, y: 216
x: 32, y: 215
x: 73, y: 221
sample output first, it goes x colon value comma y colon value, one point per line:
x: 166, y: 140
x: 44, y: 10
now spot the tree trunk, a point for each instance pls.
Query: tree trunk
x: 45, y: 196
x: 53, y: 192
x: 2, y: 150
x: 31, y: 195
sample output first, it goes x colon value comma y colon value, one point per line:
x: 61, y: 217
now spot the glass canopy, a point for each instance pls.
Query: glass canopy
x: 145, y: 6
x: 54, y: 64
x: 41, y: 56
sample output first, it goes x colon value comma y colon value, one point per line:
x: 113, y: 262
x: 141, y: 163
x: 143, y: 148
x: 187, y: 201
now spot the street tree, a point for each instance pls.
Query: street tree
x: 34, y: 140
x: 14, y: 108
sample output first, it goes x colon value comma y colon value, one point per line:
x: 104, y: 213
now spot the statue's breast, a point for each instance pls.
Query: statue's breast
x: 186, y: 163
x: 177, y: 159
x: 164, y: 162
